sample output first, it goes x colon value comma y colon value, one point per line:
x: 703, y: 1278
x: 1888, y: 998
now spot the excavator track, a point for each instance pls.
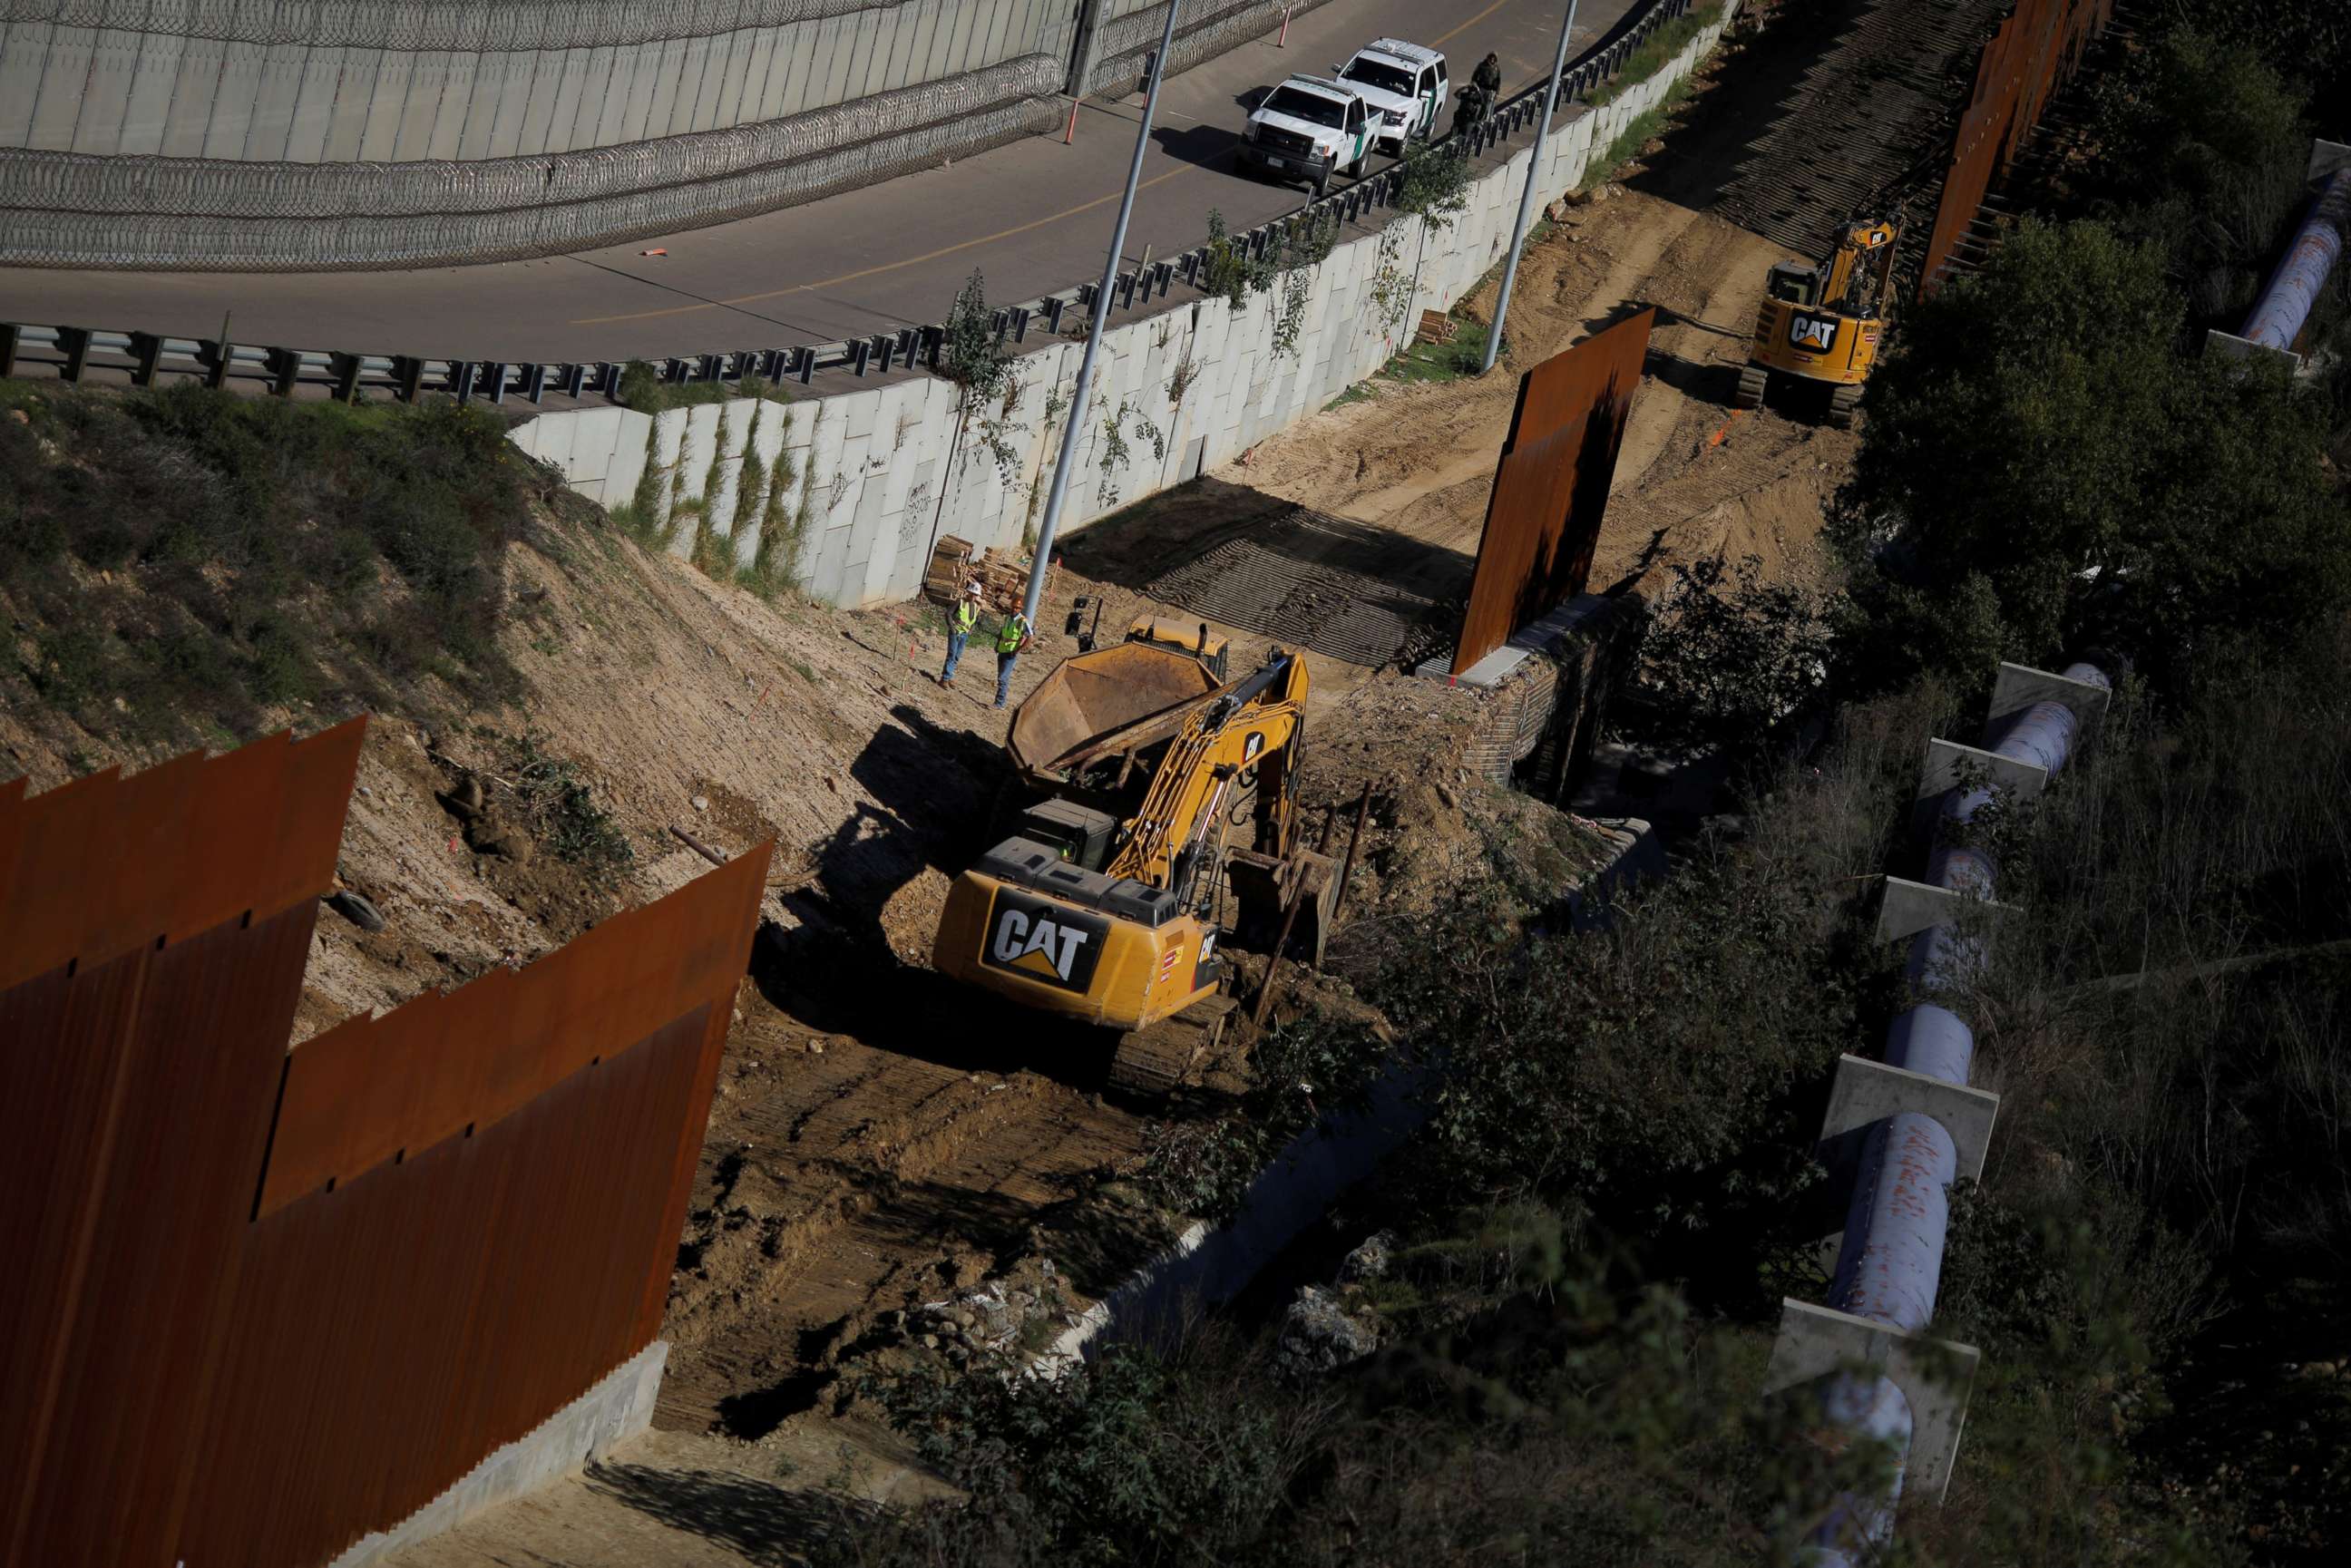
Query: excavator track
x: 1841, y: 404
x: 1751, y: 382
x: 1156, y: 1060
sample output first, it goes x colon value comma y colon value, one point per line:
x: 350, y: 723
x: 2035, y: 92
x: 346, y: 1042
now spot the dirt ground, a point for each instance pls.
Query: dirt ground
x: 1691, y: 479
x: 877, y: 1140
x: 862, y: 1159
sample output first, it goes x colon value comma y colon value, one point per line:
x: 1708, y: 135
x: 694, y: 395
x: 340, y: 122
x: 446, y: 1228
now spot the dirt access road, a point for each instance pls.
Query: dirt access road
x: 875, y: 1141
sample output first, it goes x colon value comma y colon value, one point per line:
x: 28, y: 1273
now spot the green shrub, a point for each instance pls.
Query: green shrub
x: 1300, y: 1072
x: 642, y: 388
x: 184, y: 558
x: 1658, y: 50
x: 2042, y: 471
x: 1433, y: 185
x: 563, y: 812
x: 1732, y: 654
x: 1136, y: 1458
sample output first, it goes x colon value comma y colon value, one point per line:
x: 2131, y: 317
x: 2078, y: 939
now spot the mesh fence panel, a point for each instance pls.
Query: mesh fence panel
x: 1127, y: 42
x: 225, y: 215
x: 349, y: 241
x: 141, y: 210
x: 235, y: 188
x: 472, y: 27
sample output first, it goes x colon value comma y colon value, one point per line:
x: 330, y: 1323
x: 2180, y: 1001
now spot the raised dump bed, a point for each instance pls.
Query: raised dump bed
x: 1099, y: 706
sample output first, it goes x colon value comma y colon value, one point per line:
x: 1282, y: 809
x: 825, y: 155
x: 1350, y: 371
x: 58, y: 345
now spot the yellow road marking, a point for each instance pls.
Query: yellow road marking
x: 885, y: 266
x: 944, y: 250
x: 1472, y: 22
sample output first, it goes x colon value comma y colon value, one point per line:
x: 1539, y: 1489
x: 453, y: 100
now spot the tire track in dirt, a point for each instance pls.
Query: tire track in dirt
x: 861, y: 1181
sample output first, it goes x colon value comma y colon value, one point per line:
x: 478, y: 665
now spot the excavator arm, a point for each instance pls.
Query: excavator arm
x: 1252, y: 725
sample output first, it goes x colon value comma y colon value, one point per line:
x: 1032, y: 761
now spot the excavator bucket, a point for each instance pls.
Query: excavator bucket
x: 1264, y: 889
x: 1085, y: 708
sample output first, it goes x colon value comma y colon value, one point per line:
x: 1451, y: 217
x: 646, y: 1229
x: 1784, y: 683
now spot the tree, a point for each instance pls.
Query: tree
x: 972, y: 356
x: 2205, y: 150
x: 1732, y: 654
x: 2043, y: 469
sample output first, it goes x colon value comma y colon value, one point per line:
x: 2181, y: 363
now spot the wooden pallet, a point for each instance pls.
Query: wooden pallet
x: 1003, y: 579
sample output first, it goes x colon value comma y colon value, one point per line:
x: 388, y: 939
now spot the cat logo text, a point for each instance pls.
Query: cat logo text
x: 1813, y: 334
x: 1043, y: 941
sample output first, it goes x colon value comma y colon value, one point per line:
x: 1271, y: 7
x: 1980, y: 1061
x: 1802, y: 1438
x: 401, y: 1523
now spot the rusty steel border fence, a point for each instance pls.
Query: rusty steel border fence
x: 1551, y: 487
x: 143, y: 357
x: 266, y: 1301
x: 2031, y: 54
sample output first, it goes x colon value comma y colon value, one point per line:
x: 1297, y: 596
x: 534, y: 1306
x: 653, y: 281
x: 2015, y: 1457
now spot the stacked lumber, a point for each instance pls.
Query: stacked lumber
x: 1003, y: 578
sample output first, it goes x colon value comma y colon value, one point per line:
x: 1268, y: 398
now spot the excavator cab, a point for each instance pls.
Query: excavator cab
x: 1793, y: 282
x: 1822, y: 324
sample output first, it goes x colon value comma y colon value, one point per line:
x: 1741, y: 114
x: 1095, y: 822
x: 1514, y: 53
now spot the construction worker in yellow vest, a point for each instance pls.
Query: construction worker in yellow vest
x: 1010, y: 637
x: 962, y: 621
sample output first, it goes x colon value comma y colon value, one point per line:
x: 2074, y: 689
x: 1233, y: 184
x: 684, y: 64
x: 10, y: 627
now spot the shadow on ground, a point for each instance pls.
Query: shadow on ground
x: 763, y: 1521
x: 1204, y: 146
x: 1751, y: 90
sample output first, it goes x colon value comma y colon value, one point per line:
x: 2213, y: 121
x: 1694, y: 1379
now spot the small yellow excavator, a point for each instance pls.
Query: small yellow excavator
x: 1822, y: 323
x: 1107, y: 901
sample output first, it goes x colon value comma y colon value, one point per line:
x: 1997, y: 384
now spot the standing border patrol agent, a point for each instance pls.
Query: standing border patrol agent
x: 962, y: 621
x: 1010, y: 637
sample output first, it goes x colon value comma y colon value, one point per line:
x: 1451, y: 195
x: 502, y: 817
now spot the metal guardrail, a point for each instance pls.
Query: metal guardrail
x: 72, y: 351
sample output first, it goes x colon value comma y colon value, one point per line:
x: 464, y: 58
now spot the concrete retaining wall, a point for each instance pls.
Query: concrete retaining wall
x: 1189, y: 388
x: 617, y: 1408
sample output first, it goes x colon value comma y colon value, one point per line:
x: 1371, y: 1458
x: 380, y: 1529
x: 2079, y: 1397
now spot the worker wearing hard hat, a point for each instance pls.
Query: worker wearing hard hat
x: 1010, y: 637
x: 962, y: 621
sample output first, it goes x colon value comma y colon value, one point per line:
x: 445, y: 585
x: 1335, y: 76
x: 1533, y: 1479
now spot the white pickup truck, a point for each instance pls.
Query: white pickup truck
x: 1307, y: 128
x: 1405, y: 84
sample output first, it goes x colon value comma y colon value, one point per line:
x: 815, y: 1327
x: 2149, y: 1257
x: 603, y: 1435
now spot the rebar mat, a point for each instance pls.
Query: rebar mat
x: 1311, y: 581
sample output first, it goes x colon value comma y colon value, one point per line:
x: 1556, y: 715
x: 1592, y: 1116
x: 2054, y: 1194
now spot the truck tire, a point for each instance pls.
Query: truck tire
x: 1322, y: 179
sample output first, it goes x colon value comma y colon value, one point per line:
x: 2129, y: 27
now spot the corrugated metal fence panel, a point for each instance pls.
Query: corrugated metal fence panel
x: 107, y: 864
x: 191, y: 1380
x: 423, y: 1313
x: 510, y: 1163
x: 358, y: 1094
x: 137, y: 1337
x: 1551, y: 488
x: 59, y: 1072
x: 2033, y: 51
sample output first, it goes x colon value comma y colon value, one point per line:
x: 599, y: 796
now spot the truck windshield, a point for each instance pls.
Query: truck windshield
x: 1387, y: 78
x: 1311, y: 108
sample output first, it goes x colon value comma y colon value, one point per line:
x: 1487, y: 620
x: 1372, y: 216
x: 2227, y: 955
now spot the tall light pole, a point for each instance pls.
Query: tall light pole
x: 1084, y: 389
x: 1527, y: 198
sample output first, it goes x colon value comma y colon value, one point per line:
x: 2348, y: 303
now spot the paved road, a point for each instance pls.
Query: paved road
x: 1032, y: 216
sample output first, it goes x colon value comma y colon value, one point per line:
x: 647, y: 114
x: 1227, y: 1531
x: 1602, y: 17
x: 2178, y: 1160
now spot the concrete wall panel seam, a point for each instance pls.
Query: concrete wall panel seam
x: 496, y: 29
x: 877, y: 53
x: 149, y: 103
x: 751, y: 102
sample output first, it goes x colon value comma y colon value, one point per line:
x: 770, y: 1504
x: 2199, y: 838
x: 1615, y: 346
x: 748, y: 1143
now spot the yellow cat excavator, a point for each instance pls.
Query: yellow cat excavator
x: 1822, y: 323
x: 1174, y: 807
